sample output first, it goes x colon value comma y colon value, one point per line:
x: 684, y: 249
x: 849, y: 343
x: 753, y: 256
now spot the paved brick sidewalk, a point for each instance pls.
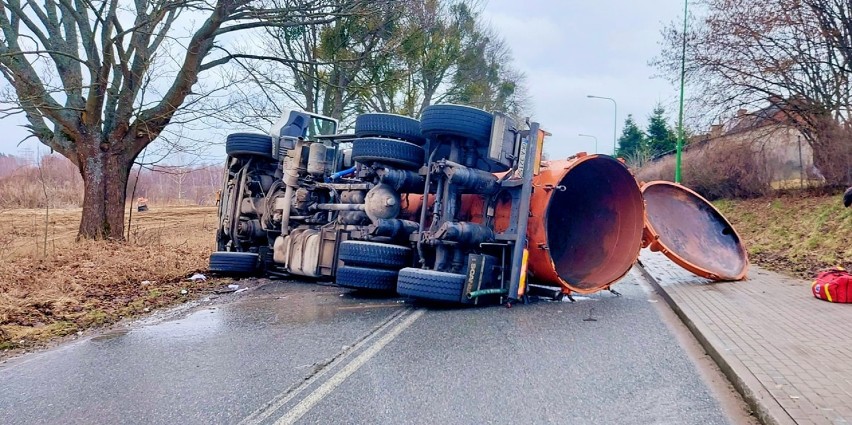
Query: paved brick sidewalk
x: 789, y: 354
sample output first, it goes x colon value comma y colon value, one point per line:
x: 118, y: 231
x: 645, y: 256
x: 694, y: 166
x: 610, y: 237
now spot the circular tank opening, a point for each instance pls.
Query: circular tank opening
x: 594, y: 226
x: 694, y: 230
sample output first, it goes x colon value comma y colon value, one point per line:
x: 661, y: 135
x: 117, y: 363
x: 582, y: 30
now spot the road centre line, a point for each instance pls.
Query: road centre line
x: 280, y: 400
x: 328, y: 386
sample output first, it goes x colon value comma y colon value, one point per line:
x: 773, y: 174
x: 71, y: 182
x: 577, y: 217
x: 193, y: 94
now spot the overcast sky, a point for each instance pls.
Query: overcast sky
x: 567, y: 49
x: 570, y: 49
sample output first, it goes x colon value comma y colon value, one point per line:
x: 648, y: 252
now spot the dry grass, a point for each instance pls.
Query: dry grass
x: 797, y: 232
x: 68, y: 286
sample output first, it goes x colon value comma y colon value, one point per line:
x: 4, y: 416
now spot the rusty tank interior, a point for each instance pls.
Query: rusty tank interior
x: 591, y: 227
x: 692, y: 232
x: 586, y: 222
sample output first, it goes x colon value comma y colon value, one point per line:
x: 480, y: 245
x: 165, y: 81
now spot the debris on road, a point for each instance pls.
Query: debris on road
x: 228, y: 289
x: 198, y: 277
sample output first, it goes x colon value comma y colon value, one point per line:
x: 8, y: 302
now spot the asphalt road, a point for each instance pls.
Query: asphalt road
x: 300, y: 353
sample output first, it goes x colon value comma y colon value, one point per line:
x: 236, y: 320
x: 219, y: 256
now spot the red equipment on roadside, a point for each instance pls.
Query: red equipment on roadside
x: 833, y: 285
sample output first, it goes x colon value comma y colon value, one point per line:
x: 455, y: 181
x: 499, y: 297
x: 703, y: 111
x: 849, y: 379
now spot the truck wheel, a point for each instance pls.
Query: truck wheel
x: 368, y: 279
x: 387, y: 151
x: 234, y: 263
x: 241, y: 145
x: 430, y: 285
x: 457, y: 121
x: 374, y: 254
x: 390, y: 126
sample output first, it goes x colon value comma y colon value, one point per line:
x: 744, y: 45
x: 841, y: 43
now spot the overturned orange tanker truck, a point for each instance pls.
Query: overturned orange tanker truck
x: 456, y: 207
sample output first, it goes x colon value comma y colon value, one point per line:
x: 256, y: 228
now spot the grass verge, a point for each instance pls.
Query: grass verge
x: 796, y: 233
x: 62, y: 287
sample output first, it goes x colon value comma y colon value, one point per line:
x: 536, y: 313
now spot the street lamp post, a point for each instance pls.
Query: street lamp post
x: 593, y: 137
x: 614, y: 120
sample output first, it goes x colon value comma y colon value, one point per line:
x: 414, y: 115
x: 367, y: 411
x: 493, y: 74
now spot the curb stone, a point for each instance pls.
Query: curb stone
x: 763, y: 405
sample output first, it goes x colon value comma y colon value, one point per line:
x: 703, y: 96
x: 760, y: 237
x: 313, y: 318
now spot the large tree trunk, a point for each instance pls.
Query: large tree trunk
x: 105, y: 174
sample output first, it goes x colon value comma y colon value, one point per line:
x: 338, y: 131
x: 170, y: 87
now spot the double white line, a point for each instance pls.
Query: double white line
x: 374, y: 342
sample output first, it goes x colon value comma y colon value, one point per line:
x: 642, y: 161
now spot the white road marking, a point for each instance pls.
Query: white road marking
x: 285, y: 397
x: 328, y: 386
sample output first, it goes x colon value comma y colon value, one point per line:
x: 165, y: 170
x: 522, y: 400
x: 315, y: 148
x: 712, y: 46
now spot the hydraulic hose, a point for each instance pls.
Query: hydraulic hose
x: 483, y: 292
x: 340, y: 174
x: 423, y: 205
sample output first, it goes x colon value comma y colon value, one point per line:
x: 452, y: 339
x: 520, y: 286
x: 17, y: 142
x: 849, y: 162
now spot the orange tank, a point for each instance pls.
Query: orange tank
x: 586, y: 222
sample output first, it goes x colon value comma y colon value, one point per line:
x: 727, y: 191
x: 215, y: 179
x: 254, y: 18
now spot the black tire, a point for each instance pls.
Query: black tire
x: 457, y: 121
x: 387, y: 151
x: 374, y: 254
x: 234, y: 263
x: 431, y: 285
x: 242, y: 145
x: 366, y: 279
x: 390, y: 126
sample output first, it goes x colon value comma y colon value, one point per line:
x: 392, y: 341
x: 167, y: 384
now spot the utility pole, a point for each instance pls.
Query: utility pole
x: 680, y: 135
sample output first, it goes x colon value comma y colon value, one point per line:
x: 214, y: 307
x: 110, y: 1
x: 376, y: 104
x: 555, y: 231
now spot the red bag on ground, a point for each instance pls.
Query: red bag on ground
x: 833, y: 285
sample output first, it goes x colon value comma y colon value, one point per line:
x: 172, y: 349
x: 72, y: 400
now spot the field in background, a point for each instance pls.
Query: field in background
x: 61, y: 287
x: 796, y: 233
x: 52, y: 180
x: 22, y: 231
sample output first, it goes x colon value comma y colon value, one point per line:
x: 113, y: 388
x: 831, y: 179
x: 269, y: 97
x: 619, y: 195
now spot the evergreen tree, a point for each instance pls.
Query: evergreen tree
x: 632, y: 142
x: 661, y: 138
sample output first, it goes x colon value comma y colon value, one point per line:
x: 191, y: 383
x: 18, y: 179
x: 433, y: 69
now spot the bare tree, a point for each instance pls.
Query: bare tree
x: 398, y: 57
x: 484, y: 76
x: 77, y: 68
x: 40, y: 165
x: 448, y: 54
x: 793, y: 55
x: 433, y: 42
x: 324, y: 69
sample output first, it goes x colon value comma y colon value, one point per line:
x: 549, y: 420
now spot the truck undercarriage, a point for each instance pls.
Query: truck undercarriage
x: 455, y: 207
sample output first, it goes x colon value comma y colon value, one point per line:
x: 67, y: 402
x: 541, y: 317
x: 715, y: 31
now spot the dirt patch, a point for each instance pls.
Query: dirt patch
x: 61, y: 287
x: 795, y: 233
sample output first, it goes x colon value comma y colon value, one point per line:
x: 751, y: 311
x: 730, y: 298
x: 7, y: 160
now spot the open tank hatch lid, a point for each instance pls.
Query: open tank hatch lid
x: 691, y: 232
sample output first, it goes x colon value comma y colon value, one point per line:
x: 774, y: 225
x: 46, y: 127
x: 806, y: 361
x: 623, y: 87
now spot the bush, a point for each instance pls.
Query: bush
x: 729, y: 170
x: 833, y: 153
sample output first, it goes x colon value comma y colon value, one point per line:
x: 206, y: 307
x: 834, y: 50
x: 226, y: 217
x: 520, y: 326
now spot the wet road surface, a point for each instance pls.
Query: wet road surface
x: 300, y: 353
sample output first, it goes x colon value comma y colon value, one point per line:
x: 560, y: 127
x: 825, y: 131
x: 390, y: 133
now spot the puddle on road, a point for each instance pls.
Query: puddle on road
x: 111, y: 335
x: 276, y: 305
x: 320, y: 305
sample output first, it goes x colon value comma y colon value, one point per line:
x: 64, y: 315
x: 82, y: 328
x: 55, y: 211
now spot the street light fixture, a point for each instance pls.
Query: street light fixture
x: 593, y: 137
x: 614, y: 120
